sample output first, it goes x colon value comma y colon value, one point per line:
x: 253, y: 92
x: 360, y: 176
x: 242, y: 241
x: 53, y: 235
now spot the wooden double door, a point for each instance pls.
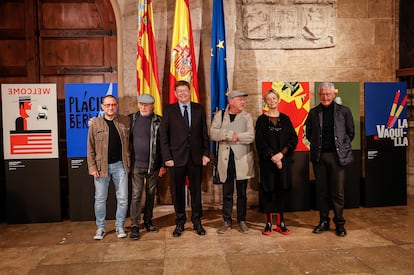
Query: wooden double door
x: 56, y: 41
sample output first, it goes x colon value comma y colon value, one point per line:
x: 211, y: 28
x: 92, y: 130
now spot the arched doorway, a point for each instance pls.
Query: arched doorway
x: 57, y: 41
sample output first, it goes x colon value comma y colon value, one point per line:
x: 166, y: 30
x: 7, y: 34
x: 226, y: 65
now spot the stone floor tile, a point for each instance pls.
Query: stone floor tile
x: 134, y: 250
x: 252, y: 243
x: 271, y: 264
x: 74, y: 253
x: 386, y: 259
x: 154, y: 267
x: 328, y: 262
x: 197, y: 265
x: 190, y: 245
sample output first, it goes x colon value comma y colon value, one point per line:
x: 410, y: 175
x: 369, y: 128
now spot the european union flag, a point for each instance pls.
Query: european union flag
x: 218, y: 65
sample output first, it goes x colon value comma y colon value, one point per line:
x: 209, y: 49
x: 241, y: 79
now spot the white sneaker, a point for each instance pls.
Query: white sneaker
x: 120, y: 232
x: 99, y: 235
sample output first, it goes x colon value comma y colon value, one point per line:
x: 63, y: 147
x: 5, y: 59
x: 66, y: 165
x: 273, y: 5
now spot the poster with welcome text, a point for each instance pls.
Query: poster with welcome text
x: 386, y: 138
x: 29, y: 121
x: 31, y: 152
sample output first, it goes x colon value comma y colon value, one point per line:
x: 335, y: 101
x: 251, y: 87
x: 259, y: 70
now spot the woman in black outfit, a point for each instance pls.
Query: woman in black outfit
x: 276, y: 140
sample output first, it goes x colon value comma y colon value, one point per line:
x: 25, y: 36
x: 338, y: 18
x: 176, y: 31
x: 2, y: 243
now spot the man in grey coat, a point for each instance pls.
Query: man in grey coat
x: 235, y: 133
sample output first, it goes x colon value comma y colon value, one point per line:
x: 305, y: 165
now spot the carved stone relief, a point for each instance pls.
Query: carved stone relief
x: 286, y: 24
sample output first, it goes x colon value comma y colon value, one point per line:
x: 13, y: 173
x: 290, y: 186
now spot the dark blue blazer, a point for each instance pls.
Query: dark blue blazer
x: 180, y: 143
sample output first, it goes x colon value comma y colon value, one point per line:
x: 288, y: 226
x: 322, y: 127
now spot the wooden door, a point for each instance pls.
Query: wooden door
x: 58, y: 41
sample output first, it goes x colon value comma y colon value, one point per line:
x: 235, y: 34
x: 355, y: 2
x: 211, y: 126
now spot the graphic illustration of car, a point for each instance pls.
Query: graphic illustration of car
x: 41, y: 112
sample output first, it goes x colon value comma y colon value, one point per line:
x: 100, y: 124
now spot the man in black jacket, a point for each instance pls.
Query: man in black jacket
x: 146, y: 163
x: 330, y: 131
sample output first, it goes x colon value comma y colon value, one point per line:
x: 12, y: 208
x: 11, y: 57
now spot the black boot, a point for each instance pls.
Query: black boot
x: 268, y: 227
x: 280, y: 226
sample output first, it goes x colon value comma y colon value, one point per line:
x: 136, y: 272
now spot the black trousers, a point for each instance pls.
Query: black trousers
x: 142, y: 179
x: 178, y: 177
x: 330, y: 179
x: 228, y: 191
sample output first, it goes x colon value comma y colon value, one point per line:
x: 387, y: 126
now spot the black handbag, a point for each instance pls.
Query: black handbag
x: 216, y: 177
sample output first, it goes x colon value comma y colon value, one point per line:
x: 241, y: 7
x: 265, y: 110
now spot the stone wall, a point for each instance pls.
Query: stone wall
x: 346, y: 40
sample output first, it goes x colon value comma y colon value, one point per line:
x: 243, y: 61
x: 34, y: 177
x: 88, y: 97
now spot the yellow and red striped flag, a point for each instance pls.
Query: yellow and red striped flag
x: 147, y: 64
x: 183, y: 61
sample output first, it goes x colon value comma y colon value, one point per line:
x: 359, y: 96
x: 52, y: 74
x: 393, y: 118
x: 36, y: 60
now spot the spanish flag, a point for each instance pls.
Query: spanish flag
x: 147, y: 64
x: 183, y: 61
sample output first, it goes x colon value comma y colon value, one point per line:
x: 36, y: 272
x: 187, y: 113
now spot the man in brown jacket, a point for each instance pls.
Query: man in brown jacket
x: 108, y: 157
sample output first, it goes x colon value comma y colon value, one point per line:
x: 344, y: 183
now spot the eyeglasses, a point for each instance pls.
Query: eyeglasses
x: 182, y: 90
x: 110, y: 105
x: 325, y: 95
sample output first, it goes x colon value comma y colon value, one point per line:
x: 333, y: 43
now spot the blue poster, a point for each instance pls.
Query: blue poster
x: 386, y: 113
x: 386, y: 142
x: 83, y: 101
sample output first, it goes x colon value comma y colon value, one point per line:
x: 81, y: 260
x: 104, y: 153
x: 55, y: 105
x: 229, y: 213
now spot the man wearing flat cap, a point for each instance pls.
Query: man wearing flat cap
x: 146, y: 163
x: 233, y: 129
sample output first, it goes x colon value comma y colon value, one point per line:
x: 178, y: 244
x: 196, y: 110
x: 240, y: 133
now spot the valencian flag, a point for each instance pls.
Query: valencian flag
x: 218, y: 66
x: 183, y: 62
x: 147, y: 64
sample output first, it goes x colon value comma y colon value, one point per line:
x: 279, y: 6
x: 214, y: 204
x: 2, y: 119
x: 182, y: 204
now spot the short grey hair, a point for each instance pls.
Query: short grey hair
x: 328, y: 85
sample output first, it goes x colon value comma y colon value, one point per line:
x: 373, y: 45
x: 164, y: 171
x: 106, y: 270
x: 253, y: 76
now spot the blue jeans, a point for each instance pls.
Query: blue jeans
x: 120, y: 179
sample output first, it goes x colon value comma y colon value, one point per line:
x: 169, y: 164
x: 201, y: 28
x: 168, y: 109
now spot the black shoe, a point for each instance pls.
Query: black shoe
x: 268, y: 229
x: 282, y: 229
x: 322, y: 226
x: 199, y: 228
x: 340, y: 231
x: 150, y: 227
x: 178, y: 230
x: 134, y: 233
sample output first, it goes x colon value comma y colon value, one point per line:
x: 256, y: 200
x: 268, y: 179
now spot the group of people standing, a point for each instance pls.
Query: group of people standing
x: 147, y: 145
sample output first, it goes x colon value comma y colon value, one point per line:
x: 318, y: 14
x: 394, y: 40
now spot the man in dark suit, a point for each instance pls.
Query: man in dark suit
x: 185, y: 148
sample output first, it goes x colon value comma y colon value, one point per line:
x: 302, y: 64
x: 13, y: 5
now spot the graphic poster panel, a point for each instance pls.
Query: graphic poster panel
x: 386, y: 130
x: 386, y: 122
x: 83, y: 101
x: 347, y: 94
x: 29, y: 121
x: 294, y: 101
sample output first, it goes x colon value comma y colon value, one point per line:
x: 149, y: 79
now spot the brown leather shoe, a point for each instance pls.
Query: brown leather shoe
x: 224, y: 228
x: 243, y: 227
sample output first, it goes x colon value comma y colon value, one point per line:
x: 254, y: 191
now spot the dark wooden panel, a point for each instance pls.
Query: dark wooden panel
x: 74, y: 52
x: 12, y: 14
x: 406, y: 34
x: 77, y: 38
x: 70, y: 15
x: 57, y: 41
x: 18, y: 42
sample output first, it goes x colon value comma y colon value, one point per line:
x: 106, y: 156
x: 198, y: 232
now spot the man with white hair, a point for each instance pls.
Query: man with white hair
x: 146, y: 163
